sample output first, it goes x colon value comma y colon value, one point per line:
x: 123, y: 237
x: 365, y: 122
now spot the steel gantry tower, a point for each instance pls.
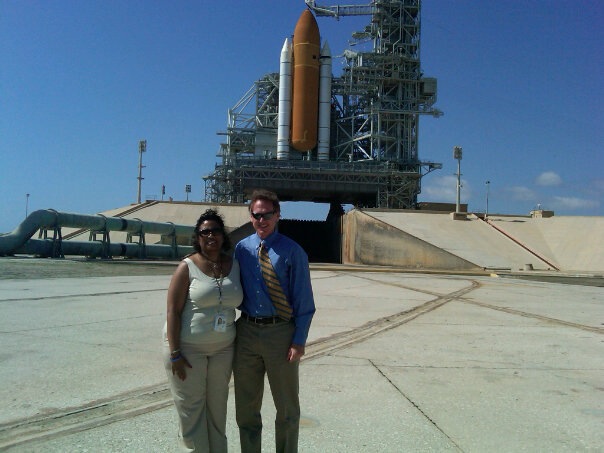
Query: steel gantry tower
x: 375, y: 107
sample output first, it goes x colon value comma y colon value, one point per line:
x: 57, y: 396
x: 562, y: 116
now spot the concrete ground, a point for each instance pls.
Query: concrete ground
x: 411, y: 362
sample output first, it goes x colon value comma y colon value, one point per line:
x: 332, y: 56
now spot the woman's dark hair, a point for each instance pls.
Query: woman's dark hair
x: 211, y: 214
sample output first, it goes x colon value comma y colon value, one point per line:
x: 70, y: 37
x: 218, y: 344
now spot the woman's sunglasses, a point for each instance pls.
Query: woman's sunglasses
x: 208, y: 231
x: 263, y: 215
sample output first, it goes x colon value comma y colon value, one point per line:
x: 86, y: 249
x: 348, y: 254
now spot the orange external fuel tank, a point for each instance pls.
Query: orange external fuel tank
x: 305, y: 83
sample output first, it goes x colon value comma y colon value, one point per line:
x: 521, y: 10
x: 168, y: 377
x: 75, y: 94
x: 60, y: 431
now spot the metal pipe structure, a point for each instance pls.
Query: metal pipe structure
x: 19, y: 240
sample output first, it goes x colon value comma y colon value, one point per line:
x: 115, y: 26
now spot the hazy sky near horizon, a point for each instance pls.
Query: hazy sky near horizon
x: 81, y: 82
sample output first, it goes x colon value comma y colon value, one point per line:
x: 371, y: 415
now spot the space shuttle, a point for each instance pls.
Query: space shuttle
x: 304, y: 92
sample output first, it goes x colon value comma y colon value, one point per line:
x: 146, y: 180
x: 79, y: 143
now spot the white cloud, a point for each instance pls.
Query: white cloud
x: 548, y: 178
x: 521, y: 193
x: 574, y: 203
x: 444, y: 189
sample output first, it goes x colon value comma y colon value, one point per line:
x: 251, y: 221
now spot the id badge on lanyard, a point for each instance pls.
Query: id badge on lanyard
x: 220, y: 320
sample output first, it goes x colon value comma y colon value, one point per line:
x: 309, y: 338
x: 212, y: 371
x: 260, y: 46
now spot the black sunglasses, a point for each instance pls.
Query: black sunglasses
x: 263, y: 215
x: 208, y: 231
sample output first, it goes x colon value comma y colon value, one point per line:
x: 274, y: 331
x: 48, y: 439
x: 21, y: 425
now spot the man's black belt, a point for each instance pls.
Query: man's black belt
x: 263, y: 321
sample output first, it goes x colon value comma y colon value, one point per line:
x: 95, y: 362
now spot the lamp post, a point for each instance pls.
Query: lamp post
x: 26, y: 204
x: 457, y: 153
x: 142, y: 147
x: 486, y: 211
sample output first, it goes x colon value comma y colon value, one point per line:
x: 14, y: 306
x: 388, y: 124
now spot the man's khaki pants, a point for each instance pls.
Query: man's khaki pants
x: 261, y: 349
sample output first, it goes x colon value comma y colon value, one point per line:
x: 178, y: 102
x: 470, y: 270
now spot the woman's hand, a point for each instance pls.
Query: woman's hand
x: 179, y: 368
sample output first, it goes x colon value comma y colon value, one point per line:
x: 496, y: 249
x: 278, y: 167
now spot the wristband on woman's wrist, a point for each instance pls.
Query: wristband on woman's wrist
x: 175, y: 358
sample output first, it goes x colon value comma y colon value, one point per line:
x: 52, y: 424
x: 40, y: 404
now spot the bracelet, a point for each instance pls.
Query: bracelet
x: 175, y: 358
x: 176, y: 351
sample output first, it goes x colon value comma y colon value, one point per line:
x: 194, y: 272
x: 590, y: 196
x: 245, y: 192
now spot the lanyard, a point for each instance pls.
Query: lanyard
x: 219, y: 286
x: 217, y: 266
x: 218, y: 281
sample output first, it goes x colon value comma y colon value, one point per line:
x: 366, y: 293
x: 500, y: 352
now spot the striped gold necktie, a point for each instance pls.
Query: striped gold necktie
x: 284, y: 311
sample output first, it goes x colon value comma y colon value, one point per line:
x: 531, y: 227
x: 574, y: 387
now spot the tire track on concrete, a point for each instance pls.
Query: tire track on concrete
x: 348, y: 338
x: 76, y: 419
x: 525, y: 314
x: 82, y: 295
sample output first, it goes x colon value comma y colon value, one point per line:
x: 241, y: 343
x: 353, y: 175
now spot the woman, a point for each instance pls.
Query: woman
x: 199, y: 335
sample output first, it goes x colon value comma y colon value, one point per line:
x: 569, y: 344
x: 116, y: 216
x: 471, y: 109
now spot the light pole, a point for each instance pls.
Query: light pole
x: 457, y: 152
x: 486, y: 211
x: 26, y: 204
x: 142, y: 147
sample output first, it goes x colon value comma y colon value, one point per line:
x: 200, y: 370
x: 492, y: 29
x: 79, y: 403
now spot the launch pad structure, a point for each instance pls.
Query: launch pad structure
x: 374, y: 107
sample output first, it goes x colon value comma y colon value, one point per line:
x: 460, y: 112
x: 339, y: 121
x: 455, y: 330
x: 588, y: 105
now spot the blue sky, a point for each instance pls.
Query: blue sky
x: 81, y: 82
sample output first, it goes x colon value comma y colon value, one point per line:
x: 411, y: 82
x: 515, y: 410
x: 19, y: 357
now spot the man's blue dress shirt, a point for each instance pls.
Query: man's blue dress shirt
x: 291, y: 266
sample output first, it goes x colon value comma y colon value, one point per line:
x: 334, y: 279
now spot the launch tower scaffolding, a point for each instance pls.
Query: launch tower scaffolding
x: 376, y: 103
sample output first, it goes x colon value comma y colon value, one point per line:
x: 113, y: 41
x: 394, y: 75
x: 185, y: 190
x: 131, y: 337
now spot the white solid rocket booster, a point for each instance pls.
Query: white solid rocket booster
x: 285, y: 100
x: 324, y: 103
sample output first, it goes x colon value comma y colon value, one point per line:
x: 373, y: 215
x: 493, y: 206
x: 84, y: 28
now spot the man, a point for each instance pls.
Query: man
x: 273, y: 327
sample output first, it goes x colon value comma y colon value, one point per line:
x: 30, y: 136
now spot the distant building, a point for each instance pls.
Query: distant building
x: 541, y: 213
